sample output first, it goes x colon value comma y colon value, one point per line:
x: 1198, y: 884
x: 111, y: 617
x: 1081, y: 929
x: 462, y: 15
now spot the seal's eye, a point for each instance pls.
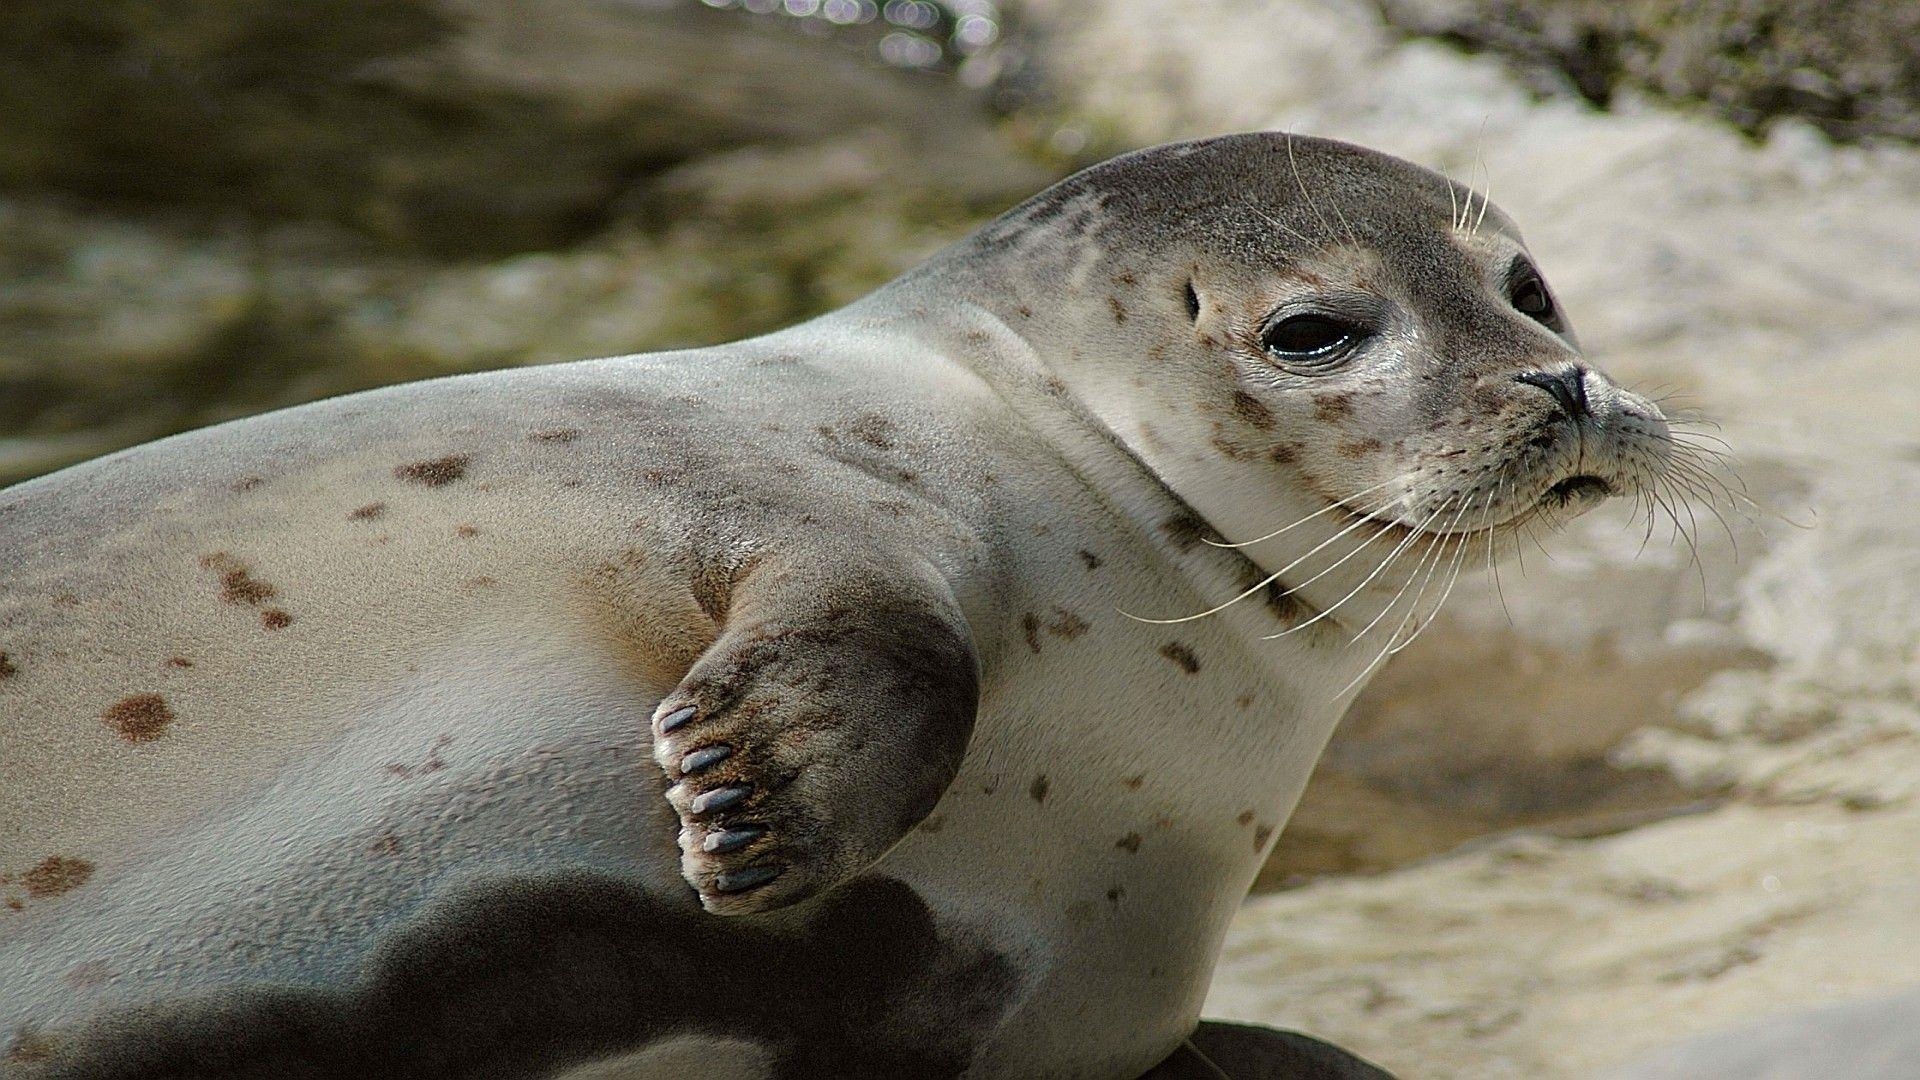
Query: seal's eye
x: 1310, y: 339
x: 1530, y: 296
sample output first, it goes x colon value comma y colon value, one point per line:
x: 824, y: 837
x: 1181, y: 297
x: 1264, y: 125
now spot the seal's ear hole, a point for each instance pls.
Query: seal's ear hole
x: 1193, y: 302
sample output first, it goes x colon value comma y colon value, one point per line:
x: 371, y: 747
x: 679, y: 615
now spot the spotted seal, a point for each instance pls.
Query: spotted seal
x: 824, y: 704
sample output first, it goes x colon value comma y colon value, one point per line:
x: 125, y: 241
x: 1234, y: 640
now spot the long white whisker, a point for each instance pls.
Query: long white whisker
x: 1263, y: 583
x: 1384, y: 563
x: 1421, y: 531
x: 1453, y: 576
x: 1441, y: 557
x: 1339, y: 504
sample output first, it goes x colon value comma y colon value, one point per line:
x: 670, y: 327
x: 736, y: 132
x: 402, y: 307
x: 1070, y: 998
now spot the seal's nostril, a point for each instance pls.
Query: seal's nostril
x: 1568, y: 387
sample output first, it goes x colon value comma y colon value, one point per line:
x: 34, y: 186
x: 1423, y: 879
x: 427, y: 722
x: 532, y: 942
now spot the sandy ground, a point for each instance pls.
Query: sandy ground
x: 1774, y: 287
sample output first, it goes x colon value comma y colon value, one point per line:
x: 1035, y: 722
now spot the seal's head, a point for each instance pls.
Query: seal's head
x: 1279, y: 324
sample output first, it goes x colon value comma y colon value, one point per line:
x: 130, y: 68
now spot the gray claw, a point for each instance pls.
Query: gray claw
x: 731, y: 881
x: 729, y: 840
x: 719, y: 798
x: 705, y: 758
x: 676, y: 719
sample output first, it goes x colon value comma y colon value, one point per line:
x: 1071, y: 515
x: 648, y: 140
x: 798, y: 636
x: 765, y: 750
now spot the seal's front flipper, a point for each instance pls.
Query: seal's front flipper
x: 822, y: 724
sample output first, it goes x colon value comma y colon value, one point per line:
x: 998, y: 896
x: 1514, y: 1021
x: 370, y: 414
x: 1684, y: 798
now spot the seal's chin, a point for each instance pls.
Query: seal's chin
x: 1578, y: 492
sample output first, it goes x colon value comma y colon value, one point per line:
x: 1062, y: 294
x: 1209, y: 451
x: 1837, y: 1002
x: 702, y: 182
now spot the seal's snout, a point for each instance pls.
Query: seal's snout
x: 1568, y: 387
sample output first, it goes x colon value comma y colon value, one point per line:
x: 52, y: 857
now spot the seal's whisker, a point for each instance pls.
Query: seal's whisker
x: 1304, y: 194
x: 1440, y: 558
x: 1407, y: 584
x: 1702, y: 487
x: 1493, y: 566
x: 1338, y: 504
x: 1386, y: 649
x: 1371, y: 575
x: 1486, y: 200
x: 1459, y: 564
x: 1278, y: 224
x: 1264, y: 582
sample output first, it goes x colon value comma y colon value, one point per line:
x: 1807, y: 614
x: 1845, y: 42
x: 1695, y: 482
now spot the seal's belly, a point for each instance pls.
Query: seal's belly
x: 483, y: 871
x: 486, y: 843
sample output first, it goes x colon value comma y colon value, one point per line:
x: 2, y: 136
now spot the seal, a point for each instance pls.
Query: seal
x: 912, y: 692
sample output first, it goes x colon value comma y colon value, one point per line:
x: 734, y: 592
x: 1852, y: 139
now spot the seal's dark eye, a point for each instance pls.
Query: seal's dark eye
x: 1310, y: 338
x: 1530, y: 297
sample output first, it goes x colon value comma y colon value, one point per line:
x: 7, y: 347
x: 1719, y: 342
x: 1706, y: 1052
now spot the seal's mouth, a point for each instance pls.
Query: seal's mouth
x: 1584, y: 488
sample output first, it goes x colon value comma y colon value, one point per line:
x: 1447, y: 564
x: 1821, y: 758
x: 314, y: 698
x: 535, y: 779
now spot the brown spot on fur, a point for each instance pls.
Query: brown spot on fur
x: 14, y: 904
x: 1355, y: 448
x: 482, y: 582
x: 1129, y: 843
x: 1088, y: 557
x: 140, y: 718
x: 1114, y: 894
x: 1329, y: 408
x: 1119, y: 309
x: 66, y: 599
x: 1245, y: 819
x: 1249, y: 408
x: 7, y: 667
x: 275, y: 619
x: 555, y: 435
x: 1282, y: 453
x: 1056, y: 387
x: 436, y: 473
x: 1229, y: 449
x: 1181, y: 656
x: 388, y: 844
x: 1038, y: 789
x: 1030, y: 625
x: 1188, y: 531
x: 467, y: 531
x: 247, y: 483
x: 1025, y: 311
x: 367, y: 512
x: 56, y: 874
x: 1126, y: 277
x: 1133, y: 782
x: 1282, y: 604
x: 1244, y: 701
x: 179, y: 662
x: 1260, y: 837
x: 1066, y: 624
x: 237, y: 586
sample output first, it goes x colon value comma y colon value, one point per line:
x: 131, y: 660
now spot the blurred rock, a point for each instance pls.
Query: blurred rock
x: 220, y: 207
x: 447, y: 127
x: 1872, y: 1040
x: 1849, y: 67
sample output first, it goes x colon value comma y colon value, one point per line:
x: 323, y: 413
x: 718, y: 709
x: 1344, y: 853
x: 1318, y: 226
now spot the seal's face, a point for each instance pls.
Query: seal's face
x: 1307, y: 336
x: 1435, y: 379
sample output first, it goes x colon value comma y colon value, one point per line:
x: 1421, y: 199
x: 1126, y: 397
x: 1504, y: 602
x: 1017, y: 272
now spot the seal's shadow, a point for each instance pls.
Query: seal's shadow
x: 529, y: 975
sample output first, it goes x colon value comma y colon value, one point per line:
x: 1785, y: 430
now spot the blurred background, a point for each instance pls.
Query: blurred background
x: 1635, y: 792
